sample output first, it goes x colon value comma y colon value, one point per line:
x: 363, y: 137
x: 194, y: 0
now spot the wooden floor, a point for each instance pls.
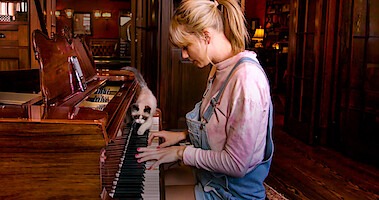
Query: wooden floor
x: 300, y: 171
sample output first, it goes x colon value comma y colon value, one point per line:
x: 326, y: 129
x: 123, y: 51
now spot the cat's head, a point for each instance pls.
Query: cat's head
x: 140, y: 113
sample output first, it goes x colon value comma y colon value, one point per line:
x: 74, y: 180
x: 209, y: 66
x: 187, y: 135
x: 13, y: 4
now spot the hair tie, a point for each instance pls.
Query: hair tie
x: 217, y: 5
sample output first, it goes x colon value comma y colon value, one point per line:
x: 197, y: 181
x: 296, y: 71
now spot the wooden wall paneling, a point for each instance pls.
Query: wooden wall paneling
x: 319, y: 24
x: 292, y: 44
x: 175, y: 84
x: 328, y: 117
x: 358, y: 92
x: 133, y: 49
x: 305, y: 68
x: 140, y: 33
x: 49, y: 16
x: 164, y: 59
x: 189, y: 84
x: 353, y: 103
x: 294, y: 115
x: 181, y: 83
x: 345, y: 52
x: 150, y: 60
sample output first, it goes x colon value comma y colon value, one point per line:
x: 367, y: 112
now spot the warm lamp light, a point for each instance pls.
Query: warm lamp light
x: 69, y: 12
x: 97, y: 13
x: 57, y: 13
x: 106, y: 14
x: 275, y: 46
x: 259, y: 34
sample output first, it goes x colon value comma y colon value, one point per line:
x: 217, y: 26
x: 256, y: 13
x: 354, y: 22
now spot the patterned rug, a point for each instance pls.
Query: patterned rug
x: 272, y: 194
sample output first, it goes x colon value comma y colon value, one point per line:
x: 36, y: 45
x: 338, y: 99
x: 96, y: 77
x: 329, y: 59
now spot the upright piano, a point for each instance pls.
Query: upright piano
x: 51, y: 137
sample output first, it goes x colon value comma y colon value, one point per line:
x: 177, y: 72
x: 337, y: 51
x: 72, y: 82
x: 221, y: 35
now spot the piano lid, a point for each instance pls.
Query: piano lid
x: 57, y: 72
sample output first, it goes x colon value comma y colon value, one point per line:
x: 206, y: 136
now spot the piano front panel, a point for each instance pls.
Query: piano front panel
x: 50, y: 160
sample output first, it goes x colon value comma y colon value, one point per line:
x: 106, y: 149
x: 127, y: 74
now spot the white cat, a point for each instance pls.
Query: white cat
x: 144, y: 108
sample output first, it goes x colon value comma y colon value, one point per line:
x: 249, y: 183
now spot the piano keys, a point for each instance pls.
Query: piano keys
x: 122, y: 176
x: 51, y: 143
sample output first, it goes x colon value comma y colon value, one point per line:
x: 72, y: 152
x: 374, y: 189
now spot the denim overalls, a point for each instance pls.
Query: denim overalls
x: 212, y: 185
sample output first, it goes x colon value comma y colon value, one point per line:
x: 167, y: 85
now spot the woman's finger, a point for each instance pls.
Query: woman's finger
x: 152, y: 166
x: 144, y: 158
x: 143, y: 149
x: 155, y: 164
x: 164, y: 144
x: 152, y: 136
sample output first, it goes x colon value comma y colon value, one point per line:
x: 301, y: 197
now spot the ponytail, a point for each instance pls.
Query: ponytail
x: 234, y: 24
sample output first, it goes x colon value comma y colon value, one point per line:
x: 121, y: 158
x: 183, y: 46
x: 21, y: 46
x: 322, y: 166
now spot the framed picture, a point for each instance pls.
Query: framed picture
x: 82, y: 24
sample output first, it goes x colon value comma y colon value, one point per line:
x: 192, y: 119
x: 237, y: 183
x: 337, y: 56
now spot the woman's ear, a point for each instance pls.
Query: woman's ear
x: 207, y: 36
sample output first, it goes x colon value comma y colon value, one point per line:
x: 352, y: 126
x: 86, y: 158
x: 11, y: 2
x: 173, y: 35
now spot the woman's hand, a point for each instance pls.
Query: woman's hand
x: 170, y: 137
x: 161, y: 155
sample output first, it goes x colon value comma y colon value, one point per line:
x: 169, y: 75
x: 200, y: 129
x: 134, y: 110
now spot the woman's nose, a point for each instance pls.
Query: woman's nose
x: 184, y: 54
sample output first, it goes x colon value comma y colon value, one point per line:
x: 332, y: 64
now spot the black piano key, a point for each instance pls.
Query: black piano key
x: 135, y: 191
x: 130, y: 181
x: 134, y: 176
x: 126, y: 167
x: 130, y: 189
x: 127, y: 196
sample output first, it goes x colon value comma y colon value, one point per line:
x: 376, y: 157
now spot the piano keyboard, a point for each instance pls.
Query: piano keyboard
x: 122, y: 176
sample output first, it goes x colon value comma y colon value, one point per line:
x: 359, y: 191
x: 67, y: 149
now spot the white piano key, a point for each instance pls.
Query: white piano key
x: 151, y: 189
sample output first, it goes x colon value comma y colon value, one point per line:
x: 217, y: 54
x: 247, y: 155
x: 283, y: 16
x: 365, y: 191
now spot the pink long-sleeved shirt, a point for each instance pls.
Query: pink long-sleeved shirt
x: 237, y: 130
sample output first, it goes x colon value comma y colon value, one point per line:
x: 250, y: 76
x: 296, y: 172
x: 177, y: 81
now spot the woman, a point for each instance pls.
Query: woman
x: 230, y: 129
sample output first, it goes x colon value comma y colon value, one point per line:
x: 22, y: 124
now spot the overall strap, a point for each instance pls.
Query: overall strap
x: 214, y: 101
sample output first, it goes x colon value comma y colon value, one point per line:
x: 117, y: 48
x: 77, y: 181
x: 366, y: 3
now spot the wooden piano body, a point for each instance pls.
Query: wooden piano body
x: 50, y: 142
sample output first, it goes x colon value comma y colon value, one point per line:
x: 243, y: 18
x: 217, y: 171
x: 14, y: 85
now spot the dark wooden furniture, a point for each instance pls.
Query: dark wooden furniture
x: 51, y: 141
x: 276, y: 23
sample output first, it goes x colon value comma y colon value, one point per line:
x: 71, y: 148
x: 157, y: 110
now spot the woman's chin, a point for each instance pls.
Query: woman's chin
x: 199, y: 65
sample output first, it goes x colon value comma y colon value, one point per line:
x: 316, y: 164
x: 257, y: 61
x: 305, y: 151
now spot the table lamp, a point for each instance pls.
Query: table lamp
x: 258, y: 36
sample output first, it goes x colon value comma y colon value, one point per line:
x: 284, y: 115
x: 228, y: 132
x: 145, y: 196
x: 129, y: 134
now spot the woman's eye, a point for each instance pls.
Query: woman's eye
x: 185, y: 48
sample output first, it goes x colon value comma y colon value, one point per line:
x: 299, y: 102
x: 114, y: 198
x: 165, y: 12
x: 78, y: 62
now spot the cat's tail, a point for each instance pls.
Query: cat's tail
x: 137, y: 75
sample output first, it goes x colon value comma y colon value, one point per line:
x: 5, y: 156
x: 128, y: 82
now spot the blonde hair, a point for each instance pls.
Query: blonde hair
x: 193, y: 16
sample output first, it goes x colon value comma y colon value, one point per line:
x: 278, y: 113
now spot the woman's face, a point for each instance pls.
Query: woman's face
x: 196, y: 52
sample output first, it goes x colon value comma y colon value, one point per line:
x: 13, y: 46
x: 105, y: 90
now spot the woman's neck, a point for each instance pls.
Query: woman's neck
x: 222, y: 49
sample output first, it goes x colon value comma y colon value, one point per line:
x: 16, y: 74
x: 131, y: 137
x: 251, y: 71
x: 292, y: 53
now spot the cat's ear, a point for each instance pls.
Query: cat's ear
x: 147, y: 109
x: 135, y: 107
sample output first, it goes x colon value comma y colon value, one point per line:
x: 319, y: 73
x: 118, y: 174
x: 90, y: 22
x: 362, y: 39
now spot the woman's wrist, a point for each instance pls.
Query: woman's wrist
x: 181, y: 152
x: 183, y: 135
